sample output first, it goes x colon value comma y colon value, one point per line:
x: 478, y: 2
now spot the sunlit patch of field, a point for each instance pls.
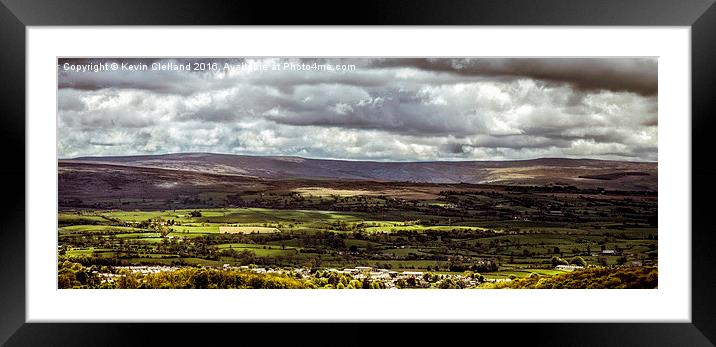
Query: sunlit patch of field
x: 412, y: 193
x: 96, y: 229
x: 438, y: 203
x: 152, y: 239
x: 195, y: 228
x: 90, y: 252
x: 513, y: 173
x: 247, y: 230
x: 409, y: 193
x: 185, y: 234
x: 138, y: 216
x: 260, y: 250
x: 167, y: 185
x: 143, y: 236
x: 264, y: 215
x: 421, y: 228
x: 79, y: 252
x: 380, y: 223
x: 322, y: 191
x: 177, y: 215
x: 77, y: 218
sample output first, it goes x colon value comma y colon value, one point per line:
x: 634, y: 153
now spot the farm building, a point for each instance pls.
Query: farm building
x: 568, y: 267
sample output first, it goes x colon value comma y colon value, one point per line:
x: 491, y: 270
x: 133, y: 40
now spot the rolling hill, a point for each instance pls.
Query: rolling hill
x: 191, y: 180
x: 578, y: 172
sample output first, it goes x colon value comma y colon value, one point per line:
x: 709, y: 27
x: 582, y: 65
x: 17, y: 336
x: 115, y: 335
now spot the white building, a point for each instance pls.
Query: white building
x: 569, y: 267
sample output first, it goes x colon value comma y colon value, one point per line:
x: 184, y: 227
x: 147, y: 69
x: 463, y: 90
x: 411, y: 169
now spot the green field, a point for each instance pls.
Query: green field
x: 394, y: 240
x: 421, y: 228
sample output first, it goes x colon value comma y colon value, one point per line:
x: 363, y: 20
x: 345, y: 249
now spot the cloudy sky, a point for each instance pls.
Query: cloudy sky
x: 383, y: 109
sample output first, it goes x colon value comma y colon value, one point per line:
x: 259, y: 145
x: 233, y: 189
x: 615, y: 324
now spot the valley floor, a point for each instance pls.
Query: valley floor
x: 357, y: 246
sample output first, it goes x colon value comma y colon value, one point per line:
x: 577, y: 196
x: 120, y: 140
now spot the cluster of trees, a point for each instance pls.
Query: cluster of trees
x: 478, y: 266
x: 204, y: 278
x: 76, y: 275
x: 578, y: 261
x: 198, y: 247
x: 334, y: 280
x: 590, y: 278
x: 195, y: 214
x: 449, y: 282
x: 497, y: 204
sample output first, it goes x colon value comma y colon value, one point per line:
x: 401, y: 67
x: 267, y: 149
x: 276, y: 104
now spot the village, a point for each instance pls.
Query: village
x: 388, y: 279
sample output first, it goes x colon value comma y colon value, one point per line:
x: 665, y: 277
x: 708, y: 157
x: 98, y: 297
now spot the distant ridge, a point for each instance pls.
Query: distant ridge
x: 540, y: 171
x: 209, y: 154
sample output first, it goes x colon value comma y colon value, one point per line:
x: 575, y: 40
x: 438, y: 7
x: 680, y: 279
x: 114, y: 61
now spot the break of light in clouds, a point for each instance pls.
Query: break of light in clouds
x: 386, y: 109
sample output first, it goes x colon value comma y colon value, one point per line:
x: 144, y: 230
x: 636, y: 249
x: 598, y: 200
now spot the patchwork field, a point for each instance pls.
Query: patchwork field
x: 247, y: 230
x: 239, y: 236
x: 501, y: 232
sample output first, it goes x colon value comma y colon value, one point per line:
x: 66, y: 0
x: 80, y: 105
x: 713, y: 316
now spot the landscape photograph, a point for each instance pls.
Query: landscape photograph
x: 357, y: 173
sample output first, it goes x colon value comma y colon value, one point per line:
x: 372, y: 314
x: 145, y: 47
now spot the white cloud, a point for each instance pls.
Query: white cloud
x: 400, y: 112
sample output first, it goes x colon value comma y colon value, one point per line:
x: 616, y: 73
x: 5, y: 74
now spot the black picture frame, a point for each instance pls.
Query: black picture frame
x: 16, y: 15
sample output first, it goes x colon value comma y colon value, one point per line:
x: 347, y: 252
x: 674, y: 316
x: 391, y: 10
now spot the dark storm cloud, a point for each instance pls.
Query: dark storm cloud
x: 171, y: 81
x: 388, y: 109
x: 384, y: 109
x: 614, y: 74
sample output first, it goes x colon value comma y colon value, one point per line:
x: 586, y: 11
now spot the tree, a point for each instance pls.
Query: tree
x: 201, y: 280
x: 163, y: 230
x: 127, y: 280
x: 400, y: 283
x: 448, y: 283
x: 558, y: 261
x: 82, y: 277
x: 195, y: 213
x: 366, y: 283
x: 602, y: 261
x: 579, y: 261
